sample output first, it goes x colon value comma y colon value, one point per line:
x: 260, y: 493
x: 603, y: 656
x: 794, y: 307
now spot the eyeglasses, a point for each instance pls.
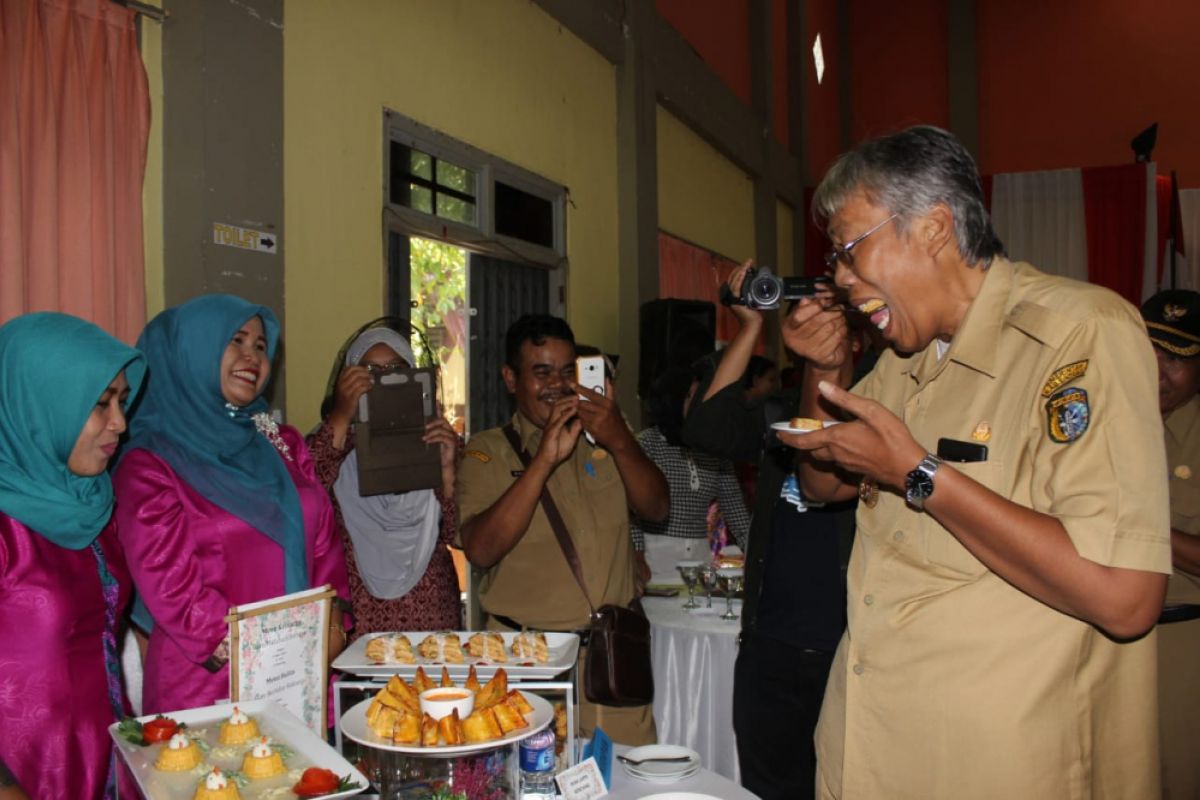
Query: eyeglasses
x: 843, y: 254
x: 378, y: 370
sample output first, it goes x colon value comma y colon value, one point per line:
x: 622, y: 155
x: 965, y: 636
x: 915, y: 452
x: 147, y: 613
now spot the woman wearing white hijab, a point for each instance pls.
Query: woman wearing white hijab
x: 401, y: 575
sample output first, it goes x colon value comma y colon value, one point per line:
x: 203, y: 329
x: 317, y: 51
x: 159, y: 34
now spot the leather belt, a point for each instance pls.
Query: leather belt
x: 1179, y: 614
x: 584, y: 634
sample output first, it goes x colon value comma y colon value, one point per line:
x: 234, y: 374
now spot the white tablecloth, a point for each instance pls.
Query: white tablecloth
x: 692, y: 654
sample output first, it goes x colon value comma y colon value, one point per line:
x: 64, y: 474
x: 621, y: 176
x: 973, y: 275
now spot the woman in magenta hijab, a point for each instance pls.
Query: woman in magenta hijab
x: 217, y: 505
x: 64, y: 389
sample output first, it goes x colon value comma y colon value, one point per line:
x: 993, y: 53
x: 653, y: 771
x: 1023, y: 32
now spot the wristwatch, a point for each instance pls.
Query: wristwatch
x: 918, y: 484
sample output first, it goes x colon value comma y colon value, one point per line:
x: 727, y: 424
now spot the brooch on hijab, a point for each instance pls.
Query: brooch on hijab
x: 270, y: 429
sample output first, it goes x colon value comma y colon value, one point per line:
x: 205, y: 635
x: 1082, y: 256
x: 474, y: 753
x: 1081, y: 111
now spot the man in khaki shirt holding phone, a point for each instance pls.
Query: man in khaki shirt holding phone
x: 998, y: 607
x: 504, y: 528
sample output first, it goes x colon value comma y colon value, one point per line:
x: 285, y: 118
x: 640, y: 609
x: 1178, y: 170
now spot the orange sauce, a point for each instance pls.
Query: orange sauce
x: 449, y: 694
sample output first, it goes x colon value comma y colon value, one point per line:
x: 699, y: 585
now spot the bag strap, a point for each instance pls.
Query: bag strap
x: 552, y: 514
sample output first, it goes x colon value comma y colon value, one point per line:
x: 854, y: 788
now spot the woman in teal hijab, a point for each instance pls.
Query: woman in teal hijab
x: 218, y: 505
x: 65, y: 386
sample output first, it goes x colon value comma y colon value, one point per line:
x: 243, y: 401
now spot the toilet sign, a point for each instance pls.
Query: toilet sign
x: 245, y: 238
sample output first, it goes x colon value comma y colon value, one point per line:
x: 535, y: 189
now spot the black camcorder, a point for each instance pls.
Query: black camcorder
x: 763, y: 289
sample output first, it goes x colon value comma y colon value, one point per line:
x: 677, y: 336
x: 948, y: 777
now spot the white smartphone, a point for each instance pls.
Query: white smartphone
x: 589, y: 373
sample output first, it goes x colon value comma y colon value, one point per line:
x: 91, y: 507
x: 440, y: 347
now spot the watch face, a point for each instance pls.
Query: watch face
x: 919, y: 484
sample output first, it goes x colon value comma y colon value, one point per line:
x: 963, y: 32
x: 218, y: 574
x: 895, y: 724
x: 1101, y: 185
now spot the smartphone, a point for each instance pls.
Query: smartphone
x: 589, y: 373
x: 961, y: 452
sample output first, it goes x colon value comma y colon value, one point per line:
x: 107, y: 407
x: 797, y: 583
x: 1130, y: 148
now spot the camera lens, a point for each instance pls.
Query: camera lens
x: 765, y: 291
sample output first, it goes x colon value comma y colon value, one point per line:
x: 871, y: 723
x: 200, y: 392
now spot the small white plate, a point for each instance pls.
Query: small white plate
x: 786, y: 427
x: 660, y: 771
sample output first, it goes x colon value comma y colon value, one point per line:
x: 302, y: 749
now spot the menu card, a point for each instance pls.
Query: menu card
x: 278, y: 653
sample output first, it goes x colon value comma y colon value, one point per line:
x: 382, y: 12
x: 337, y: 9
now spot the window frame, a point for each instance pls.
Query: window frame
x: 482, y: 236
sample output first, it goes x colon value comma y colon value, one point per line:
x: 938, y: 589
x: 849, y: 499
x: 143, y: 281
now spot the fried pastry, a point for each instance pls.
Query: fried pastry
x: 472, y: 680
x: 451, y: 729
x: 381, y: 719
x: 408, y: 729
x: 422, y: 682
x: 507, y: 717
x: 805, y: 423
x: 531, y: 644
x: 493, y: 691
x: 481, y: 726
x: 487, y: 645
x: 518, y: 702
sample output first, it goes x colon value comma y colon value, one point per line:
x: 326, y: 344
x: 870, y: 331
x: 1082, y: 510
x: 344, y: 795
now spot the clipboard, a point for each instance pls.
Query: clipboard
x: 392, y: 458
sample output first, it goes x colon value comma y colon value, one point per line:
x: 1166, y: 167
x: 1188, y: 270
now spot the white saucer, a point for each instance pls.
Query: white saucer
x: 661, y: 771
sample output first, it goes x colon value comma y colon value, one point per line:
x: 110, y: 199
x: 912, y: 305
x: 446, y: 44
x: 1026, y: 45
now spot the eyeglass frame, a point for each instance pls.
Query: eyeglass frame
x: 843, y: 253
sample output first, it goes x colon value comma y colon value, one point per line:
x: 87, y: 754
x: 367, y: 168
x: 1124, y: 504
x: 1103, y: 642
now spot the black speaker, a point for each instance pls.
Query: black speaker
x: 673, y: 333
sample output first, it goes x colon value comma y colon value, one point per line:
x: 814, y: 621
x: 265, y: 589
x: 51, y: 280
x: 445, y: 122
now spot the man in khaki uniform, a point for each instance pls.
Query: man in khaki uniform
x: 1173, y: 321
x: 504, y: 528
x: 999, y: 601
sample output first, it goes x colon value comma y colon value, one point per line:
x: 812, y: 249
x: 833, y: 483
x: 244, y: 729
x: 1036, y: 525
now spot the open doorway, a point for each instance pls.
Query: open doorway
x: 438, y: 291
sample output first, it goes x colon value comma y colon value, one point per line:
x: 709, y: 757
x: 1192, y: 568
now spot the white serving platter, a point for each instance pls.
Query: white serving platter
x: 354, y: 726
x: 274, y: 722
x: 563, y: 651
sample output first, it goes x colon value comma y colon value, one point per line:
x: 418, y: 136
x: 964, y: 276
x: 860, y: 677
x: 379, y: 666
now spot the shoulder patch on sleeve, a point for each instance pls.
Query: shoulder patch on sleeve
x: 1064, y: 375
x: 1067, y: 415
x: 478, y: 455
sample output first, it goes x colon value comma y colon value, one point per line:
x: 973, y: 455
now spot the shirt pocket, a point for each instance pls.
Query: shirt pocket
x: 942, y: 548
x: 1185, y: 504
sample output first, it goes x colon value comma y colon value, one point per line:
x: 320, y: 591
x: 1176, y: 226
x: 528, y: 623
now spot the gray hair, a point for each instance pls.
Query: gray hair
x: 909, y: 173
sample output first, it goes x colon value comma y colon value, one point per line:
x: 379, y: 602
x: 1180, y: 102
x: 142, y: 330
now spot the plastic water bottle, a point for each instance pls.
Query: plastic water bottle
x: 537, y: 766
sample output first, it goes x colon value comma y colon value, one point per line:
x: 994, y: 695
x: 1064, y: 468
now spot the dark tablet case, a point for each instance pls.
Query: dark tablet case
x: 392, y: 458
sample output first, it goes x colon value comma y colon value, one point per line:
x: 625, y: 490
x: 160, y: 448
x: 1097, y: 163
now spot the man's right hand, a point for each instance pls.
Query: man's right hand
x: 561, y: 433
x: 818, y: 333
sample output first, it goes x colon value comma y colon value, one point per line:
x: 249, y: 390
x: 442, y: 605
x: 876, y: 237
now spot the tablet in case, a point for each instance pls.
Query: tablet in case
x: 392, y: 457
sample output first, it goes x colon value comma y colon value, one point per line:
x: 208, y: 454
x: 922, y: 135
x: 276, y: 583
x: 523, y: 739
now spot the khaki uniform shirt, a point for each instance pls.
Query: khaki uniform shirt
x: 950, y: 683
x: 1183, y: 461
x: 533, y: 584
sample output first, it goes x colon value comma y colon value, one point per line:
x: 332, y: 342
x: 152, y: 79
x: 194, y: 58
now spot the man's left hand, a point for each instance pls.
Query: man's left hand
x: 876, y: 444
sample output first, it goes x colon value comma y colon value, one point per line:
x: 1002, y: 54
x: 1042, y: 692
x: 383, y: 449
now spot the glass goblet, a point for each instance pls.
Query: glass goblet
x: 708, y: 579
x: 690, y: 572
x: 732, y: 580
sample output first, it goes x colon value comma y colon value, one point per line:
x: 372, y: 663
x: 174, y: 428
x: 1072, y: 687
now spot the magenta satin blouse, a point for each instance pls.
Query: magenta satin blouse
x: 53, y: 686
x: 191, y: 561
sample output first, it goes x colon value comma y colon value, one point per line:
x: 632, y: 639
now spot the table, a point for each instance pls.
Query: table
x: 692, y: 655
x: 703, y: 782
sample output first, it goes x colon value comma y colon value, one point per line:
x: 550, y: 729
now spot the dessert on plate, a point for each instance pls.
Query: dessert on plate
x: 487, y: 645
x: 262, y: 762
x: 531, y: 644
x: 806, y: 424
x: 445, y: 648
x: 391, y: 647
x: 179, y: 755
x: 239, y: 728
x: 216, y: 786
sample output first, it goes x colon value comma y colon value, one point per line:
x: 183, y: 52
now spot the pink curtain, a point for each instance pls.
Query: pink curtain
x: 74, y: 118
x: 689, y: 272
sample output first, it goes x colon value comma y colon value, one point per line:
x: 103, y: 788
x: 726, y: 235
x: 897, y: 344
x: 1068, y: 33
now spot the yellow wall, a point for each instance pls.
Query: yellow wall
x: 152, y: 206
x: 702, y: 196
x: 500, y: 75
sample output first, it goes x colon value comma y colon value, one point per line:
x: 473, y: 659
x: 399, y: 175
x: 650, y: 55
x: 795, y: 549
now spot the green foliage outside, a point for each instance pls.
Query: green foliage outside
x: 439, y: 286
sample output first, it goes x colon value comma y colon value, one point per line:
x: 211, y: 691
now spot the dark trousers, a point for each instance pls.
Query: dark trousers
x: 777, y: 692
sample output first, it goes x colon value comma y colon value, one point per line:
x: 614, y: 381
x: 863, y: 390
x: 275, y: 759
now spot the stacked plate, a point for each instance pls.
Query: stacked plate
x: 654, y: 765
